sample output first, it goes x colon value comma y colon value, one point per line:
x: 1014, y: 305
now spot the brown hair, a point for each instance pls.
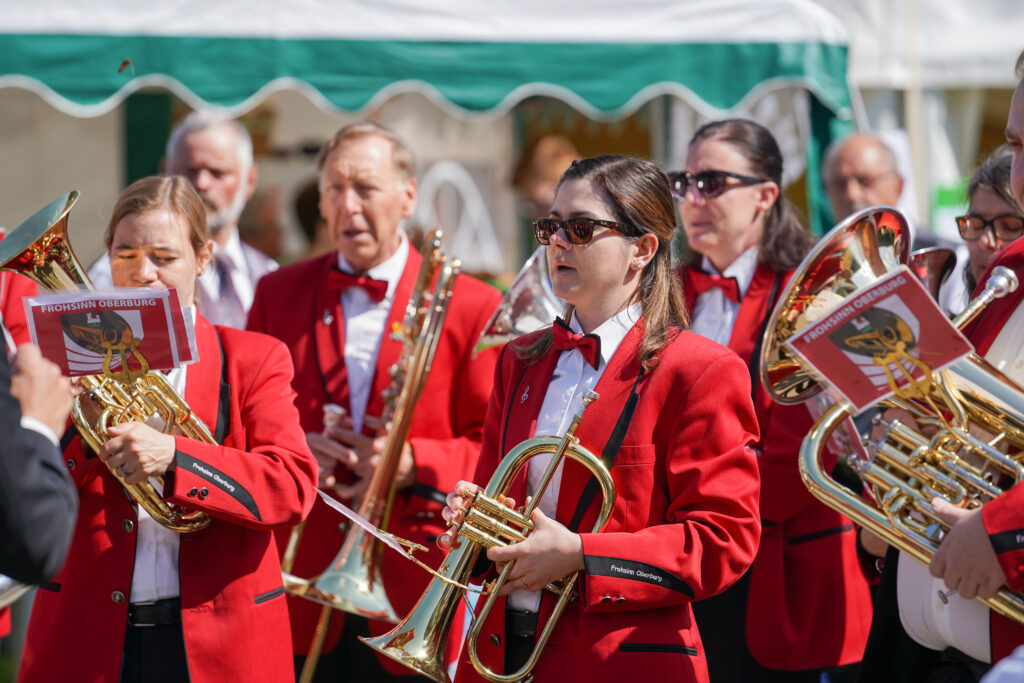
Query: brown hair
x: 641, y: 195
x: 172, y: 193
x: 785, y: 241
x: 993, y: 173
x: 401, y: 155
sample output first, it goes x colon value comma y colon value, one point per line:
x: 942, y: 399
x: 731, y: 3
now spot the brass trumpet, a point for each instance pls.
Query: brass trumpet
x: 39, y: 248
x: 419, y: 641
x: 907, y: 468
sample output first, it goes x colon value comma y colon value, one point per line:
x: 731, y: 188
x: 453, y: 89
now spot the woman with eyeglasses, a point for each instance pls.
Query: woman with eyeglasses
x: 804, y: 607
x: 674, y: 423
x: 993, y: 218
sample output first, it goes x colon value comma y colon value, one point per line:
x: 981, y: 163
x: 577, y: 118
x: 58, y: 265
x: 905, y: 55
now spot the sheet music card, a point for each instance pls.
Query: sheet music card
x: 882, y: 338
x: 140, y: 329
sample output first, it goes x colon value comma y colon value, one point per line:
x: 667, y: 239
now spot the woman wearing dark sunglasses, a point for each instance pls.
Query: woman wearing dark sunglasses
x: 673, y: 421
x: 804, y: 606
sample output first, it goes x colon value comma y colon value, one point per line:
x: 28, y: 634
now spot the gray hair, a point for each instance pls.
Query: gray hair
x: 1019, y: 67
x: 832, y: 151
x: 208, y: 119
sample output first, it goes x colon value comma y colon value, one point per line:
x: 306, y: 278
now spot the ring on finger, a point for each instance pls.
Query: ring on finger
x: 522, y: 580
x: 123, y: 470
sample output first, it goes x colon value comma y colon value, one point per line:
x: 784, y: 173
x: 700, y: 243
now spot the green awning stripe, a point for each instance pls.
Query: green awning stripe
x: 474, y: 76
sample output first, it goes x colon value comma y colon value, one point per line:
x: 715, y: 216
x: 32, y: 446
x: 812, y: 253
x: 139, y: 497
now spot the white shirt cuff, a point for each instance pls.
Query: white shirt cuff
x: 37, y: 426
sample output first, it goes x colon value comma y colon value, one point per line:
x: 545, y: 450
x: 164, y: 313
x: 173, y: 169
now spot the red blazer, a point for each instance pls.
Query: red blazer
x: 1003, y: 516
x: 684, y: 525
x: 445, y: 432
x: 234, y: 617
x: 13, y: 288
x: 809, y: 605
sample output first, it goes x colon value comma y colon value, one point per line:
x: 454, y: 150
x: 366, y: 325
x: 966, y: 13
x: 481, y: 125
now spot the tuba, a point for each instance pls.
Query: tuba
x: 39, y: 248
x: 419, y: 641
x: 907, y: 468
x: 352, y: 582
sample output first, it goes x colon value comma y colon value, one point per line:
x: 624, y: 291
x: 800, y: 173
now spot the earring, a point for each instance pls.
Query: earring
x: 637, y: 264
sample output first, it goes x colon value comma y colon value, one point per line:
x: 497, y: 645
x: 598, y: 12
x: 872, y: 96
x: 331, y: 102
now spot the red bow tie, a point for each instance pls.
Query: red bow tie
x: 338, y: 281
x: 588, y: 344
x: 699, y: 282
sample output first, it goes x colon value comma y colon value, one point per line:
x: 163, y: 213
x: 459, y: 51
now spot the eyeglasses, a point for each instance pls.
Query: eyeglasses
x: 579, y: 230
x: 710, y: 184
x: 1006, y: 227
x: 839, y: 183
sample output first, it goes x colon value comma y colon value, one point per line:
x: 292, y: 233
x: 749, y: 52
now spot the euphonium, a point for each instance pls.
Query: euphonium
x: 39, y: 248
x: 907, y: 468
x: 419, y: 641
x: 352, y: 582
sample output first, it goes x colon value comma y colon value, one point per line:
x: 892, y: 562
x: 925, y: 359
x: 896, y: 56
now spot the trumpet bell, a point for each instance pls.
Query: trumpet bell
x: 350, y: 584
x: 863, y: 248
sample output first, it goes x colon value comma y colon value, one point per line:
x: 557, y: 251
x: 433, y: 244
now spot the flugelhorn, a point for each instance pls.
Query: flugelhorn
x: 39, y: 248
x: 907, y: 468
x: 419, y: 641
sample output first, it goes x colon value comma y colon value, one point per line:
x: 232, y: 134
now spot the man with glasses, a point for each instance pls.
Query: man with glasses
x: 861, y: 171
x: 334, y: 312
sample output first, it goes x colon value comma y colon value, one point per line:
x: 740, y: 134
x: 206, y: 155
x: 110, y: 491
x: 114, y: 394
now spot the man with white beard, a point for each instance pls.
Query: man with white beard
x: 214, y: 152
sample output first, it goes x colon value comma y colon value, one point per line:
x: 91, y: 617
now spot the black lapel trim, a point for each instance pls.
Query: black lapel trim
x: 609, y: 454
x: 69, y: 435
x: 218, y: 479
x: 220, y: 432
x: 632, y: 570
x: 508, y: 412
x: 755, y: 358
x: 50, y: 586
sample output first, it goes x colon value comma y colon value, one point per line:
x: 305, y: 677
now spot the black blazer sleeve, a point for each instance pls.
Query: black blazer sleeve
x: 38, y: 502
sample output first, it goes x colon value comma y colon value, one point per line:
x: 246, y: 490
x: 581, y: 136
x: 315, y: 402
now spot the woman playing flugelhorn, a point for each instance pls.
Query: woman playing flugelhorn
x: 674, y: 422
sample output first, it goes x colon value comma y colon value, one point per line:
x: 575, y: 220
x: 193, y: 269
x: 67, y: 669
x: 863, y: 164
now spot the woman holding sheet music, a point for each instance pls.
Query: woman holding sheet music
x: 136, y: 601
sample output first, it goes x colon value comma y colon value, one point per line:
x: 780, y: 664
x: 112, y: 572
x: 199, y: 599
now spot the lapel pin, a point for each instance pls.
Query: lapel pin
x: 526, y: 394
x: 328, y: 318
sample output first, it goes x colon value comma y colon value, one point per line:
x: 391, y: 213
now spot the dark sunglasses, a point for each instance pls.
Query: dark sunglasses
x: 579, y: 230
x: 709, y: 183
x: 1007, y: 227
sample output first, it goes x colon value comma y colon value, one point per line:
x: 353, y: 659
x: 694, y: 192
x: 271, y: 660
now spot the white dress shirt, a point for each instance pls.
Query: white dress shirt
x: 563, y: 398
x: 225, y: 289
x: 962, y: 624
x: 155, y: 574
x: 365, y: 320
x: 714, y: 314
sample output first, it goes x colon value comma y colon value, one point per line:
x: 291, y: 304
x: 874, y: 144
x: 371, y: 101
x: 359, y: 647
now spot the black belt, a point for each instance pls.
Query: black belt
x: 157, y: 613
x: 520, y: 623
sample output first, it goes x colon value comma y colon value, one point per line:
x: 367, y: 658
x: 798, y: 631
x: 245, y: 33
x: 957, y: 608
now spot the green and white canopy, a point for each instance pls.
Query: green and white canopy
x: 605, y: 58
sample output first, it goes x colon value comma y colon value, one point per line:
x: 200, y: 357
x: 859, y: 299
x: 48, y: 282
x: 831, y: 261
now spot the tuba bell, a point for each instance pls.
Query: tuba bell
x: 419, y: 641
x: 39, y: 248
x: 529, y: 304
x: 906, y: 469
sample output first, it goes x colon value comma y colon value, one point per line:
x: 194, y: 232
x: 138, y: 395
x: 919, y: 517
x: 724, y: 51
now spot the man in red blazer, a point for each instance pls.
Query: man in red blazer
x: 984, y: 549
x: 333, y: 313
